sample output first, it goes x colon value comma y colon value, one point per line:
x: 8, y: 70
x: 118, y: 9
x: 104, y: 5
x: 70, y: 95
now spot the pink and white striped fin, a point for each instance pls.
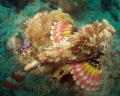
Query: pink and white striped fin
x: 60, y: 31
x: 87, y: 74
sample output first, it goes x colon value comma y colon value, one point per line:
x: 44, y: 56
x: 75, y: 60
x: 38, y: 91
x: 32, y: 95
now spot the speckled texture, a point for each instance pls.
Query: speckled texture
x: 85, y: 44
x: 38, y: 30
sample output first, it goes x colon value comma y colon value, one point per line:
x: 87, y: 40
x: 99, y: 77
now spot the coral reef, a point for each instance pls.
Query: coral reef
x: 38, y: 30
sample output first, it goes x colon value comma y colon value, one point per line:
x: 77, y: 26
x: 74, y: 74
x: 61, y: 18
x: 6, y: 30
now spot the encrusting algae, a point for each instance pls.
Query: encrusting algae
x: 65, y: 44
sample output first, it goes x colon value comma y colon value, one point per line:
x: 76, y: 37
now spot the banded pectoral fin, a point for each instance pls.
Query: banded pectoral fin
x: 17, y: 79
x: 88, y: 74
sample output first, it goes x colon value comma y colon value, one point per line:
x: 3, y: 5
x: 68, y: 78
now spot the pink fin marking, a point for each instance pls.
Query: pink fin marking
x: 77, y: 68
x: 57, y: 30
x: 84, y: 78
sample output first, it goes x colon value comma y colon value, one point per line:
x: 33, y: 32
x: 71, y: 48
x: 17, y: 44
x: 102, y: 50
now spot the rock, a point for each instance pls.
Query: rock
x: 116, y: 3
x: 106, y: 3
x: 115, y: 12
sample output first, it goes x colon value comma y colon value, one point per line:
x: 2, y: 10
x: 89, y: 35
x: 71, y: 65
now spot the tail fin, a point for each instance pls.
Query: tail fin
x: 17, y: 79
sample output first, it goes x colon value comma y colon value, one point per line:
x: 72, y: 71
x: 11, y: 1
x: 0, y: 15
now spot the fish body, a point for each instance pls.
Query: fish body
x: 70, y: 46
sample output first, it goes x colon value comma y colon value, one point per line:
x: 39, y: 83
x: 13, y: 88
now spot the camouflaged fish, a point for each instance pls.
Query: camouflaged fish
x: 80, y: 48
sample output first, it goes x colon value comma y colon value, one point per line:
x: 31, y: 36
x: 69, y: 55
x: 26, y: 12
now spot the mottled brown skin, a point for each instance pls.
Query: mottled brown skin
x: 88, y: 42
x: 84, y: 44
x: 40, y: 26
